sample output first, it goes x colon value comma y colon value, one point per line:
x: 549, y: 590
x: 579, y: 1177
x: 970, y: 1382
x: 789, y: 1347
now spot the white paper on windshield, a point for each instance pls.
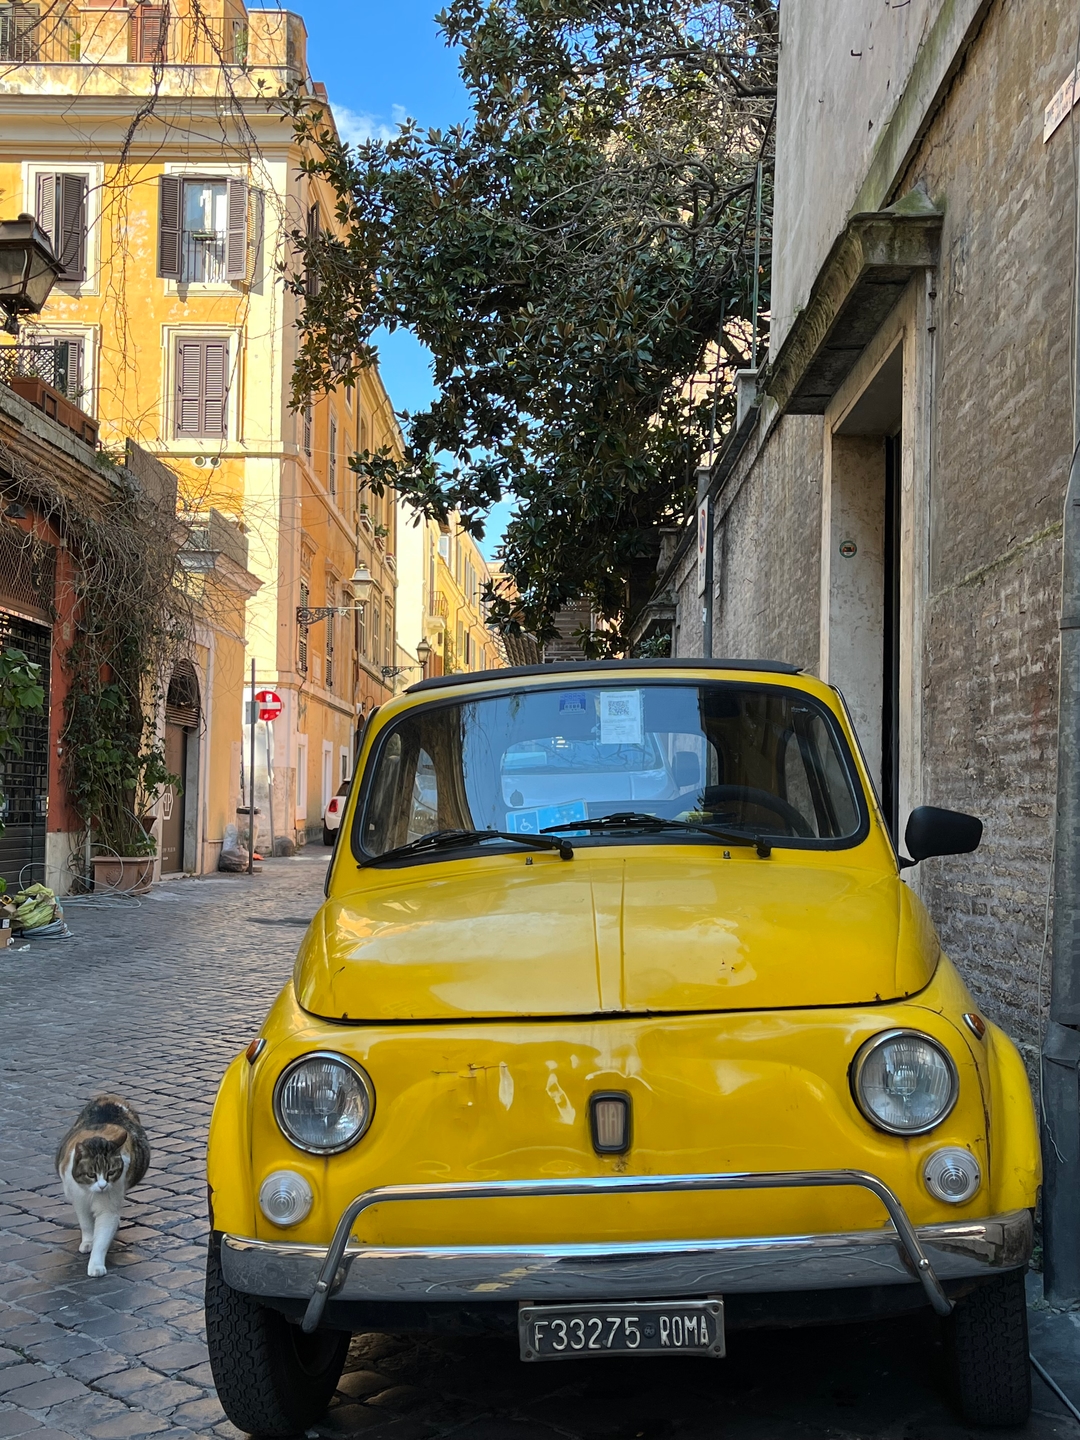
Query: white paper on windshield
x: 620, y: 717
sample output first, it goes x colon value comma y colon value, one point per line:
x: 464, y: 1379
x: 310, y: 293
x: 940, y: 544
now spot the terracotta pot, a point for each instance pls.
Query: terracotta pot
x: 123, y: 875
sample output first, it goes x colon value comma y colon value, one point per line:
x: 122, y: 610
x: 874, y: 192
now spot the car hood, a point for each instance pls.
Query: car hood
x: 660, y: 930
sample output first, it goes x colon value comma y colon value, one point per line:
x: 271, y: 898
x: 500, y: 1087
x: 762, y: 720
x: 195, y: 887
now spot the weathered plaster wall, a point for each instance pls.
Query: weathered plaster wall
x: 1002, y: 443
x: 857, y: 82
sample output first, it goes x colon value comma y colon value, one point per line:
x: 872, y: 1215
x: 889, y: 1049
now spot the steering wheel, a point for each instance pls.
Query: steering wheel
x: 715, y: 795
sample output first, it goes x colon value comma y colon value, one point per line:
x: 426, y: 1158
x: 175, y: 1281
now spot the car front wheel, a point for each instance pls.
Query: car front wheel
x: 987, y: 1341
x: 271, y: 1378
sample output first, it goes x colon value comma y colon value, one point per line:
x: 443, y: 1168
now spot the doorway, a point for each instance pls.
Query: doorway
x: 24, y: 780
x: 865, y: 515
x: 181, y: 760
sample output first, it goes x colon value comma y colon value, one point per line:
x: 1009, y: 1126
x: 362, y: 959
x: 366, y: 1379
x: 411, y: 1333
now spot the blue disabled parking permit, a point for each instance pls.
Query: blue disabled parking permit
x: 531, y: 822
x: 575, y: 702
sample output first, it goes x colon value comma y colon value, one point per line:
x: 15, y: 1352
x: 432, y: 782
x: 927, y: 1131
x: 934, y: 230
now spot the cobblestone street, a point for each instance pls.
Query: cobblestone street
x: 151, y: 1001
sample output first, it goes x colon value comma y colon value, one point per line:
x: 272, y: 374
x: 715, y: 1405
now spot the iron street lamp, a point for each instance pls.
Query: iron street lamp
x: 28, y: 269
x: 423, y: 655
x: 360, y: 587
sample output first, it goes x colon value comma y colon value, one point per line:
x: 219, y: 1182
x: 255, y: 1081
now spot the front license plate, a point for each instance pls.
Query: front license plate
x: 655, y: 1327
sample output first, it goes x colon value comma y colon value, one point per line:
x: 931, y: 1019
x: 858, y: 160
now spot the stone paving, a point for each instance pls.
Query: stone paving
x: 152, y: 1000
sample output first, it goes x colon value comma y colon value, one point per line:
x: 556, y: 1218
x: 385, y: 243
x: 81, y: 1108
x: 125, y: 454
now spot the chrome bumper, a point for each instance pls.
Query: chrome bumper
x: 565, y: 1272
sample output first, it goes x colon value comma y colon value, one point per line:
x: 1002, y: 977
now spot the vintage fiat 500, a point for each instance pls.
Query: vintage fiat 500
x: 619, y: 1028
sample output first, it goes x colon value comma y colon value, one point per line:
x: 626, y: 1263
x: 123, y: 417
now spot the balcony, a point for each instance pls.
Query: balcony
x: 50, y: 378
x: 203, y: 257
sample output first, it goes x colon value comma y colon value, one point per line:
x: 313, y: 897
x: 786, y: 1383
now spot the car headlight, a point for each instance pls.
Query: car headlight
x: 323, y: 1102
x: 904, y: 1082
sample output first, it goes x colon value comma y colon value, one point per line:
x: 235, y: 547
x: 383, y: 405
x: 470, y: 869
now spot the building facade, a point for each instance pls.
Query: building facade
x: 142, y: 139
x: 442, y: 579
x: 888, y: 511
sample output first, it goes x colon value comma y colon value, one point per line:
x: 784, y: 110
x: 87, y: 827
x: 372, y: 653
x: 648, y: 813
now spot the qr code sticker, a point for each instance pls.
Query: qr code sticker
x: 619, y: 709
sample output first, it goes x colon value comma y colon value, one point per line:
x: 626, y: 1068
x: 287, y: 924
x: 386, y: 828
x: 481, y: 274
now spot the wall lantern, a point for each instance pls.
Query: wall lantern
x: 28, y: 269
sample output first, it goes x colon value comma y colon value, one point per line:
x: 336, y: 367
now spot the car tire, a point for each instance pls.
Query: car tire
x: 987, y: 1345
x: 271, y: 1378
x: 328, y: 836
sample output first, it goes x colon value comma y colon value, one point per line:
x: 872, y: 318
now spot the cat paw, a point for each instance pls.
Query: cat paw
x: 95, y: 1269
x: 86, y: 1247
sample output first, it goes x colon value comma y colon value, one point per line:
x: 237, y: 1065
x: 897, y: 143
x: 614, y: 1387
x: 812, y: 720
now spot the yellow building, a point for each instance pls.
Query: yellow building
x: 441, y: 581
x: 142, y: 139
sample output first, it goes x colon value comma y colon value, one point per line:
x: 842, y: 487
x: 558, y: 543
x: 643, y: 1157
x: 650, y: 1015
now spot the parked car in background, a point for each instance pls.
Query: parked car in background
x: 335, y: 808
x: 619, y: 1029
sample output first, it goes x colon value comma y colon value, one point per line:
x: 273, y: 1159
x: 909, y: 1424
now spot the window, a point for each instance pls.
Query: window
x: 331, y: 465
x: 327, y: 773
x: 444, y: 547
x: 301, y: 777
x: 306, y: 422
x: 149, y: 35
x: 349, y: 395
x: 202, y: 388
x: 376, y: 622
x: 387, y: 641
x: 301, y: 648
x: 311, y: 279
x: 431, y: 581
x: 330, y: 600
x: 202, y: 230
x: 344, y: 766
x: 61, y: 213
x: 720, y: 753
x: 361, y: 630
x: 18, y: 33
x: 239, y: 42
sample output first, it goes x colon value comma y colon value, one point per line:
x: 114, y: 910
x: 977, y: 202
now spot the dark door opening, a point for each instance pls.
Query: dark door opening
x: 890, y: 677
x: 25, y: 773
x: 172, y: 803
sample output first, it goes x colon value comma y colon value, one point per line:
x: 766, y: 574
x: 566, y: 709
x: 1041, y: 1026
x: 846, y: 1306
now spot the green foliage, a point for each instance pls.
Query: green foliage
x: 21, y: 694
x: 570, y: 257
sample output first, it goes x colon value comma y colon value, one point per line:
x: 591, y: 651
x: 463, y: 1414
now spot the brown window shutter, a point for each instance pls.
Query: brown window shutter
x: 189, y: 368
x: 236, y: 244
x: 151, y: 31
x: 46, y: 207
x: 312, y: 278
x: 215, y: 387
x: 71, y: 226
x: 170, y: 196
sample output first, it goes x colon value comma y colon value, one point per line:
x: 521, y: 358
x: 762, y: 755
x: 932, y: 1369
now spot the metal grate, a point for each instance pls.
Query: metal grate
x: 27, y: 573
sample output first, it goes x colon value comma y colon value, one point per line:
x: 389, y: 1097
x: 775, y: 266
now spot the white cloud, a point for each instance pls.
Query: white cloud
x: 357, y: 126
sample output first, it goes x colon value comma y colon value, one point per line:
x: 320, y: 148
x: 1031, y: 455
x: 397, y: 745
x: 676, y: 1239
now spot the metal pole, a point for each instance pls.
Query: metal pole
x: 1061, y: 1046
x: 707, y: 598
x: 251, y: 782
x: 269, y: 788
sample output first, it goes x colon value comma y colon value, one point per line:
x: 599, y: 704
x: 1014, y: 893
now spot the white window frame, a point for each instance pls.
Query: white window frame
x: 95, y: 179
x: 175, y: 444
x: 328, y: 786
x: 344, y: 764
x: 33, y: 333
x: 301, y: 777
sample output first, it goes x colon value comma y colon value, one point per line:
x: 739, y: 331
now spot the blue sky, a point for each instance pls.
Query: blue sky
x: 381, y: 62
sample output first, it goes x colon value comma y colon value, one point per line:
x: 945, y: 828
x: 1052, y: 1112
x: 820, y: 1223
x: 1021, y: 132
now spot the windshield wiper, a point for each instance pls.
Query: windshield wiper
x: 634, y: 820
x: 447, y: 839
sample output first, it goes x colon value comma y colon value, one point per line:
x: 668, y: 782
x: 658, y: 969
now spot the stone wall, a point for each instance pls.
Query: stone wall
x: 1001, y: 453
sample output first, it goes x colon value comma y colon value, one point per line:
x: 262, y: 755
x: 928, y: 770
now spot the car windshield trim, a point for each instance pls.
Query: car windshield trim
x: 540, y: 685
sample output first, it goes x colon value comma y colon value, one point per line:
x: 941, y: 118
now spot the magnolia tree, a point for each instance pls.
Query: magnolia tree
x: 579, y: 260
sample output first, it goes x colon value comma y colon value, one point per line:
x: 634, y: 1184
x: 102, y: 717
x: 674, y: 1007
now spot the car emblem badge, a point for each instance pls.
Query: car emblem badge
x: 609, y: 1122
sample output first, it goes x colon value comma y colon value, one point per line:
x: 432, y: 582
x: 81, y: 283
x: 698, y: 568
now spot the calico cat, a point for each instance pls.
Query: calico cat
x: 103, y: 1155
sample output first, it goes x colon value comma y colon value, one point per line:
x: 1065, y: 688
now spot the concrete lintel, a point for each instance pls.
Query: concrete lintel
x: 865, y: 274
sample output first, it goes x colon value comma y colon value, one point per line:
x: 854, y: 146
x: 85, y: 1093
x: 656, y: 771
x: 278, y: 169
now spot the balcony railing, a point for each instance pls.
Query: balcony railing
x: 57, y: 364
x: 203, y: 257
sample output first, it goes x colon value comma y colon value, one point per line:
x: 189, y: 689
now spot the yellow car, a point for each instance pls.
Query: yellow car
x: 618, y: 1029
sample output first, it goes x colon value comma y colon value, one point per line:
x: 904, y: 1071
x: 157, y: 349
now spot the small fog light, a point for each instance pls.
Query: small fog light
x: 285, y: 1197
x: 952, y: 1175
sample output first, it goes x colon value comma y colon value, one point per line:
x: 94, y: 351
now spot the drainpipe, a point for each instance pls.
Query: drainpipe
x: 1061, y: 1049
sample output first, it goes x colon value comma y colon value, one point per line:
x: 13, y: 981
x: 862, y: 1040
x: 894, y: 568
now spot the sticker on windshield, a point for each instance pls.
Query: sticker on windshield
x: 574, y: 703
x: 620, y: 717
x: 531, y: 822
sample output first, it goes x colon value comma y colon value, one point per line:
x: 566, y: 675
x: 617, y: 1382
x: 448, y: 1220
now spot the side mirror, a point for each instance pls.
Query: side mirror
x: 931, y: 831
x: 686, y: 769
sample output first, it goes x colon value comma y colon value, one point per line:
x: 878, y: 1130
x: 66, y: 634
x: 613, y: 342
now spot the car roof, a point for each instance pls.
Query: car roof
x: 587, y: 667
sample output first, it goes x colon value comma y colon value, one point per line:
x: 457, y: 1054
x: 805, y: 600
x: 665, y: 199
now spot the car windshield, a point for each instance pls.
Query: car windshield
x: 751, y: 758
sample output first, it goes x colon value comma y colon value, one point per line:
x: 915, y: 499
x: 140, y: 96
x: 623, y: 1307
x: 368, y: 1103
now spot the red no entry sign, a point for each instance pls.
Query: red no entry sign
x: 269, y: 703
